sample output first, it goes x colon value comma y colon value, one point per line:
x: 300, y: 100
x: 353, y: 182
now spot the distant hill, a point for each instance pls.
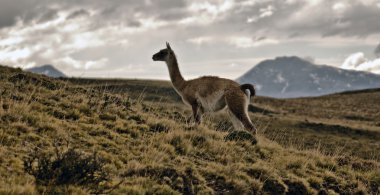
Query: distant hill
x: 48, y: 70
x: 288, y: 77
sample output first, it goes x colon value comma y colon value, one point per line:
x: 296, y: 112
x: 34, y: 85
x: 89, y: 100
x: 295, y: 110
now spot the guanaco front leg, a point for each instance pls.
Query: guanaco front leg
x: 196, y: 113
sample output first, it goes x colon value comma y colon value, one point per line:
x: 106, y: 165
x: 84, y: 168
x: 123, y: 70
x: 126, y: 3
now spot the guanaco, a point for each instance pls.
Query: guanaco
x: 210, y: 93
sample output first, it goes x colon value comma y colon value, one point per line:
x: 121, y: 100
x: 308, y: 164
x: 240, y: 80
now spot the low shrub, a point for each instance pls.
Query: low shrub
x: 273, y: 186
x: 54, y: 171
x: 241, y: 136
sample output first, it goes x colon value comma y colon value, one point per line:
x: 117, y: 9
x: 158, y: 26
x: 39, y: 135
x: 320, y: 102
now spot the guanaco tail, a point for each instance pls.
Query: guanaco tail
x: 209, y: 93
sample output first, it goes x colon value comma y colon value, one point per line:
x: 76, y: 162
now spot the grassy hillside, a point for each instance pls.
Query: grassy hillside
x: 341, y: 123
x: 134, y: 137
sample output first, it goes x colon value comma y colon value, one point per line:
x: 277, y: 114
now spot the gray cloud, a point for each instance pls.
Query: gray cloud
x: 359, y: 20
x: 173, y: 15
x: 78, y: 13
x: 97, y: 35
x: 353, y: 18
x: 377, y: 50
x: 10, y: 10
x: 285, y: 19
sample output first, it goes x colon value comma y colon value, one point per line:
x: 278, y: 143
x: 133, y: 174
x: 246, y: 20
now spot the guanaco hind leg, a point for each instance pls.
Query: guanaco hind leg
x: 237, y: 124
x: 237, y: 104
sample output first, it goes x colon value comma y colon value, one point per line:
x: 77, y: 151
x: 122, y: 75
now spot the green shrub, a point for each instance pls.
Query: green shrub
x: 67, y: 168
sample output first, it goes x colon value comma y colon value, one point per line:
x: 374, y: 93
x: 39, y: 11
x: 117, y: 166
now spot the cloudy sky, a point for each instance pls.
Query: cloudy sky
x: 116, y: 38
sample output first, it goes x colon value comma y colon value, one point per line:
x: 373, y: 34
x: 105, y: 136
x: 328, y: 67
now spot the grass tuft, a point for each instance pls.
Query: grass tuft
x: 241, y: 136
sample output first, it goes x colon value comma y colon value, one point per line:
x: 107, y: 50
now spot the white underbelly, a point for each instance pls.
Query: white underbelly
x: 213, y: 102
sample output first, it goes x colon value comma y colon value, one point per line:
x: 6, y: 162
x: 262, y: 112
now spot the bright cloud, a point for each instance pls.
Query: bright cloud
x: 357, y: 61
x: 247, y: 42
x: 266, y: 12
x: 15, y: 55
x: 200, y: 40
x: 207, y: 12
x: 29, y: 45
x: 263, y: 13
x: 339, y: 6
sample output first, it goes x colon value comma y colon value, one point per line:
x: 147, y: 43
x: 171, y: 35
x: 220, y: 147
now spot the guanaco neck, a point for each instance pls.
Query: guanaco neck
x: 175, y: 75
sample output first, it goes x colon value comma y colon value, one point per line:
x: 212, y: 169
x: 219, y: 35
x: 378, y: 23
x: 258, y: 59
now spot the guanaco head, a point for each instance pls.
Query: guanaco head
x: 163, y: 54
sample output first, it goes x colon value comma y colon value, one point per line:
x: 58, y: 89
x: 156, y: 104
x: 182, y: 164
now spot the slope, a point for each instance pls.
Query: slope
x: 149, y: 148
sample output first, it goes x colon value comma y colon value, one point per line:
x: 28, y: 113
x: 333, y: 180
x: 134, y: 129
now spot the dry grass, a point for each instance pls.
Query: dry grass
x: 151, y: 148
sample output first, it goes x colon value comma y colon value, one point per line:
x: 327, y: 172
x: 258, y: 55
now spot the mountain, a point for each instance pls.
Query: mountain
x: 48, y: 70
x: 289, y: 77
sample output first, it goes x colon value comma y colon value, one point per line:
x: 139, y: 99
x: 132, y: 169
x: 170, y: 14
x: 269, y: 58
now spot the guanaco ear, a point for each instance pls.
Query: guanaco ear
x: 168, y: 46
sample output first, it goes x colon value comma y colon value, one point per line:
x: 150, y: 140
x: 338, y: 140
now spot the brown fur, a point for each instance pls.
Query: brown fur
x: 208, y: 93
